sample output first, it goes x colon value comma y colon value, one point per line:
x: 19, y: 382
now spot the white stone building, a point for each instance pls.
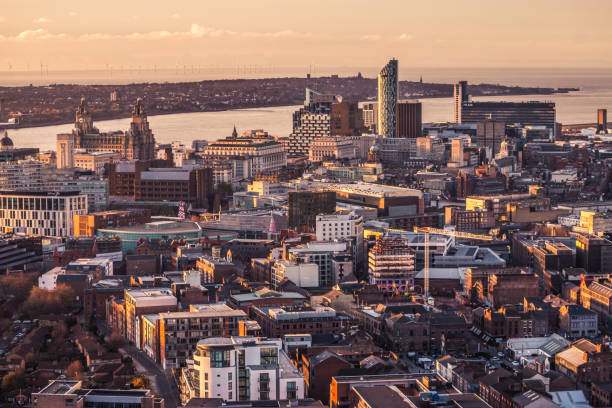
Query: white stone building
x: 243, y: 369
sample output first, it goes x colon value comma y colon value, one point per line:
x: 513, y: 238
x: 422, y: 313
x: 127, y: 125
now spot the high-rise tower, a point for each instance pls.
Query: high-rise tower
x: 461, y: 95
x: 602, y: 121
x: 387, y: 99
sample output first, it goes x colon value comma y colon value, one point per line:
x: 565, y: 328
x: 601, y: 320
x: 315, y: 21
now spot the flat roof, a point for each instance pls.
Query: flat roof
x: 215, y: 310
x: 61, y: 387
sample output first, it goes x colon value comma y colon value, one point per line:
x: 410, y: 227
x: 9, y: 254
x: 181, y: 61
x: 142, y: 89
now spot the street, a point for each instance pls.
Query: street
x: 162, y: 384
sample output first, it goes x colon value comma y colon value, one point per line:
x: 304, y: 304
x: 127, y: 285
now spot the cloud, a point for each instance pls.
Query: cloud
x: 38, y: 34
x: 41, y: 20
x: 371, y: 37
x: 195, y: 31
x: 278, y: 34
x: 73, y: 14
x: 406, y: 37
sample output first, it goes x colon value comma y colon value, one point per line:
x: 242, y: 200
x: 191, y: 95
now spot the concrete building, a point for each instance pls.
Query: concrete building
x: 95, y: 161
x: 262, y: 154
x: 41, y: 213
x: 387, y: 99
x: 331, y: 227
x: 215, y: 270
x: 304, y: 275
x: 323, y: 255
x: 244, y: 369
x: 329, y: 148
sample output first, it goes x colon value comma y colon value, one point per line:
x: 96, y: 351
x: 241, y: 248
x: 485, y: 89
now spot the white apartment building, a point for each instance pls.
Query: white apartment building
x: 244, y: 369
x: 339, y: 226
x: 305, y: 275
x: 48, y: 280
x: 40, y: 213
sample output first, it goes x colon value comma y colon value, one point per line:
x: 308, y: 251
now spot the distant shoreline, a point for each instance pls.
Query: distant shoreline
x: 123, y: 115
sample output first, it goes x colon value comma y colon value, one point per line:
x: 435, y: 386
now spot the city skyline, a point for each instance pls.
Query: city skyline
x: 86, y: 36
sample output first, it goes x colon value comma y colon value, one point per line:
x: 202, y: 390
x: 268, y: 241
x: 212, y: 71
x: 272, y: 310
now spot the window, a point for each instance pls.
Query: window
x: 269, y: 355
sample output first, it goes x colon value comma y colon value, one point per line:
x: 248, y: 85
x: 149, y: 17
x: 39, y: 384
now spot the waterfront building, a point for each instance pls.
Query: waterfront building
x: 40, y: 213
x: 387, y: 99
x: 409, y: 120
x: 530, y: 113
x: 243, y: 369
x: 137, y: 143
x: 602, y: 121
x: 460, y: 95
x: 310, y: 122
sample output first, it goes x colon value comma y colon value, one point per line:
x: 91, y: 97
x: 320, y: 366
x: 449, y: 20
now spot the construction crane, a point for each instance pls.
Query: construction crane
x: 448, y: 233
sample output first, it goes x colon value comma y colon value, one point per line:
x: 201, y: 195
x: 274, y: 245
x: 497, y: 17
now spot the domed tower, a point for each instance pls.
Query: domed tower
x: 6, y: 143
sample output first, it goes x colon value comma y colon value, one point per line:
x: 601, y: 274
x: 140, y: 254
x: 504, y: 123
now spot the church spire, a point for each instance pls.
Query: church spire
x: 234, y: 132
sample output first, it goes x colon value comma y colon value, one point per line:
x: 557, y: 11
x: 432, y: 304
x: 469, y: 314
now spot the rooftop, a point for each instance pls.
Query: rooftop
x: 61, y: 387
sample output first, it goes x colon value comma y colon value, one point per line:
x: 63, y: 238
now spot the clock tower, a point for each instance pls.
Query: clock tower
x: 83, y: 122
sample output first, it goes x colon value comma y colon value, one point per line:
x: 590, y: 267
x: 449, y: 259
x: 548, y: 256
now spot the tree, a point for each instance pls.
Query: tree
x: 115, y: 341
x: 12, y: 381
x: 140, y: 381
x: 75, y: 370
x: 17, y: 285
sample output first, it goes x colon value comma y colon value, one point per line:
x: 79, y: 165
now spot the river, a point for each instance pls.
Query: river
x: 574, y: 107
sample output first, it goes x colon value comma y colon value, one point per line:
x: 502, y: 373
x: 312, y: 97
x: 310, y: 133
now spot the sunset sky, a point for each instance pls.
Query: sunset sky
x: 425, y: 33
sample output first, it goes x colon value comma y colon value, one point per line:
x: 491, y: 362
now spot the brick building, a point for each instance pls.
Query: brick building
x: 142, y: 181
